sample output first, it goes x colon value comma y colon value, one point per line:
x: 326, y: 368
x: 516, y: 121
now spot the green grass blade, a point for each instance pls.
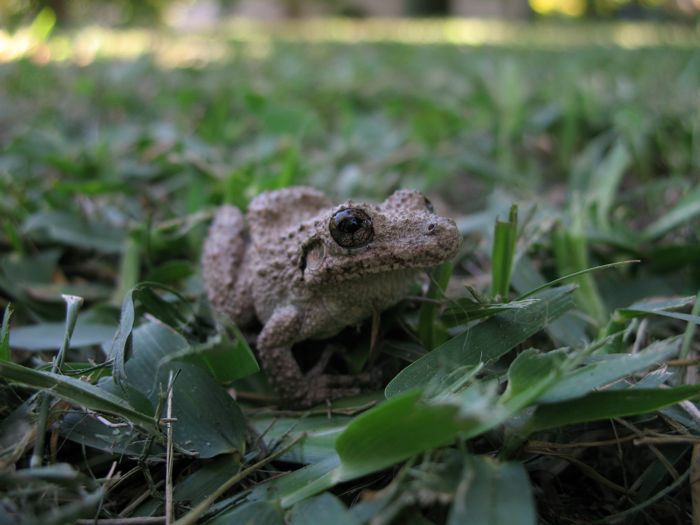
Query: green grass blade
x: 687, y: 208
x: 77, y: 392
x: 5, y: 333
x: 428, y: 310
x: 484, y: 342
x: 609, y: 404
x: 504, y: 239
x: 610, y: 368
x: 571, y: 256
x: 573, y: 276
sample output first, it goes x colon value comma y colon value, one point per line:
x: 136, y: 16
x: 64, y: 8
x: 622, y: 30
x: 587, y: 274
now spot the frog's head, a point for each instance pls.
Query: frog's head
x: 357, y: 240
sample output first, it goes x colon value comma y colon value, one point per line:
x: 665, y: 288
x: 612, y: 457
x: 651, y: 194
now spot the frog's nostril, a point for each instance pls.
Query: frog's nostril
x: 431, y: 227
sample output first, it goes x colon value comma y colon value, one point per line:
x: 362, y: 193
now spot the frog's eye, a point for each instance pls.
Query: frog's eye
x: 351, y: 228
x: 429, y: 205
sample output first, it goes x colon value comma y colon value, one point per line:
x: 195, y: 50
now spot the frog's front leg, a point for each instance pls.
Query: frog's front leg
x: 295, y: 388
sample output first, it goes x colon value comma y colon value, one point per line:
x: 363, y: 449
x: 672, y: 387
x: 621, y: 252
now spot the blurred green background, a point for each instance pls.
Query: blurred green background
x: 123, y: 125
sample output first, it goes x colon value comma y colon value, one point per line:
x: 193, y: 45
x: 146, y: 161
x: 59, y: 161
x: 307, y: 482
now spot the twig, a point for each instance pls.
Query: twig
x: 349, y: 411
x: 537, y: 446
x: 691, y: 361
x: 139, y: 520
x: 662, y: 459
x: 169, y: 502
x: 589, y: 471
x: 656, y: 497
x: 193, y: 515
x: 131, y: 507
x: 694, y: 485
x: 667, y: 440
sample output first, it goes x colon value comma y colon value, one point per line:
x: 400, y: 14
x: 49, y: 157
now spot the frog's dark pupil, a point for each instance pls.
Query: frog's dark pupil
x: 349, y: 224
x: 351, y: 228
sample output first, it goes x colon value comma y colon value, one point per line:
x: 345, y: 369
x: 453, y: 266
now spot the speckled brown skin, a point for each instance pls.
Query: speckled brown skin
x: 292, y: 276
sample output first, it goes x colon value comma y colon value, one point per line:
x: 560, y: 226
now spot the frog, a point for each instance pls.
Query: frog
x: 303, y: 268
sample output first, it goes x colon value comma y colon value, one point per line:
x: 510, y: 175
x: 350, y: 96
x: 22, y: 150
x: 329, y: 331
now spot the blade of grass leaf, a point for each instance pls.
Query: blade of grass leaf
x: 77, y: 392
x: 504, y: 239
x: 73, y: 304
x: 583, y: 380
x: 5, y: 333
x: 483, y: 342
x: 681, y: 213
x: 689, y: 333
x: 608, y: 404
x: 573, y: 275
x: 426, y: 316
x: 154, y: 304
x: 571, y: 255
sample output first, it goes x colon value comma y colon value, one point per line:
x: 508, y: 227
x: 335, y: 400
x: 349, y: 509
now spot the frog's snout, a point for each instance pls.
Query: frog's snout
x: 441, y: 228
x: 444, y: 236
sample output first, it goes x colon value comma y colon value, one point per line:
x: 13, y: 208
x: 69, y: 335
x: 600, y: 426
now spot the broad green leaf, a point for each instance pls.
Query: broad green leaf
x: 170, y: 272
x: 609, y: 404
x: 320, y: 433
x: 483, y: 342
x: 492, y: 493
x: 68, y: 229
x: 208, y: 420
x: 202, y: 482
x: 532, y: 373
x: 167, y: 312
x: 227, y: 359
x: 406, y: 425
x: 77, y: 392
x: 254, y: 513
x: 49, y: 336
x: 461, y: 311
x: 569, y: 329
x: 122, y: 440
x: 324, y: 509
x: 610, y: 368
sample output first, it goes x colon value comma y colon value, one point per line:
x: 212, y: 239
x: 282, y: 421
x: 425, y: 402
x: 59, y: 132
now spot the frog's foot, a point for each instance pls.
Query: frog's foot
x: 322, y: 388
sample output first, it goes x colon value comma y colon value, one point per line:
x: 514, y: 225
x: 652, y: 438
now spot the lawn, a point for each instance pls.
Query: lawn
x: 546, y: 375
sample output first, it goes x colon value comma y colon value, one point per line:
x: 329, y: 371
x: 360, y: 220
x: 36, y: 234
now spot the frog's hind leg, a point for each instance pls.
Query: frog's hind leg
x: 222, y: 261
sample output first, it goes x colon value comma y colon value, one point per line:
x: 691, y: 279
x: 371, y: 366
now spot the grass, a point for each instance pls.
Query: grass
x: 528, y: 399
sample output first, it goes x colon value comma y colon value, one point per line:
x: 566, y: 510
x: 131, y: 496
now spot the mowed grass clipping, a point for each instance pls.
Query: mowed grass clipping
x: 544, y: 375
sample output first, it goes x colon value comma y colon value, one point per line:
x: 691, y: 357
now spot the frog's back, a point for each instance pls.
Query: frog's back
x: 223, y: 262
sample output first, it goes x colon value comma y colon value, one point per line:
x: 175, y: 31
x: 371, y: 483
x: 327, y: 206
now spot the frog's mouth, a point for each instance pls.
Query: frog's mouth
x: 434, y: 244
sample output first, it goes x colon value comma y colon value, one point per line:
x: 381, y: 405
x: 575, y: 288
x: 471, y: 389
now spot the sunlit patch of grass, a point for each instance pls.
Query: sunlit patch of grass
x: 198, y: 47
